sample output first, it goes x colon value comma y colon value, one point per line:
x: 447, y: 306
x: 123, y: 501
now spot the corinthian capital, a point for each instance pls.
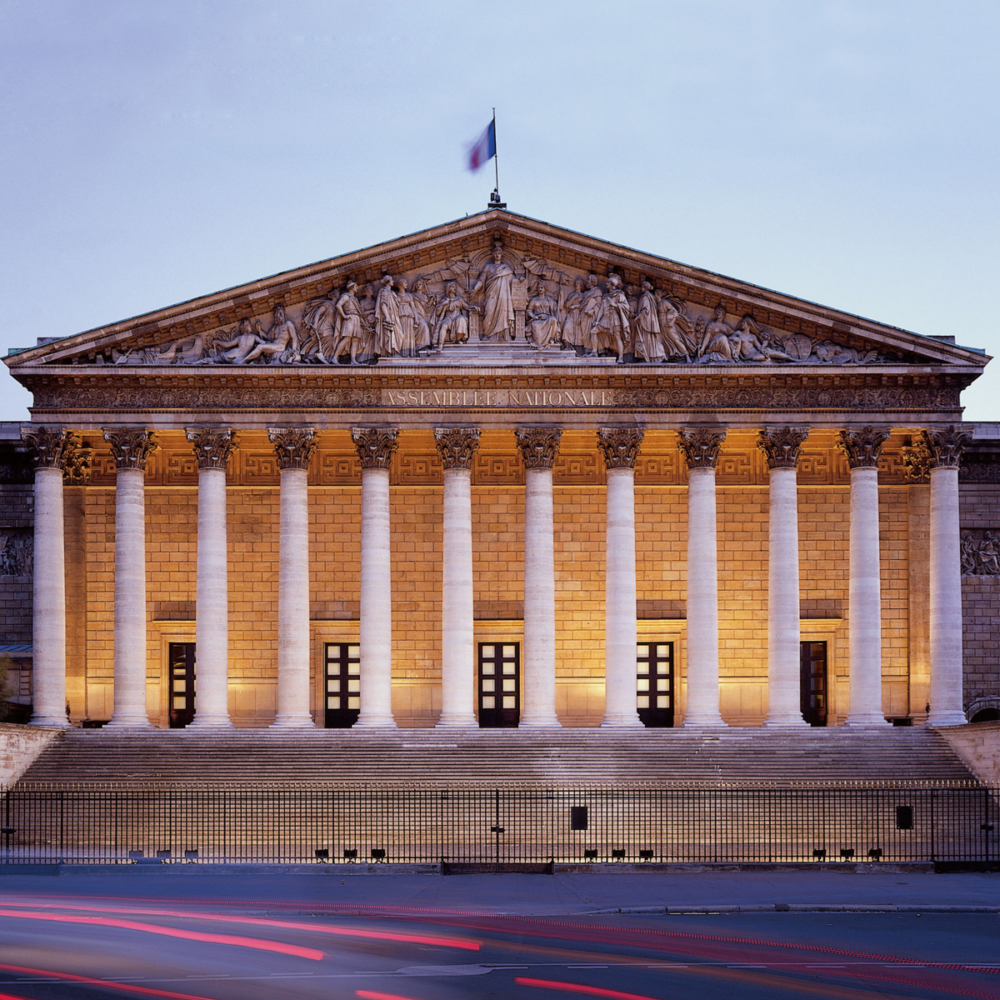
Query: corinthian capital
x: 781, y: 446
x: 376, y: 445
x: 51, y: 447
x: 863, y: 447
x: 945, y: 446
x: 620, y: 446
x: 701, y: 446
x: 131, y: 446
x: 538, y: 446
x: 293, y: 446
x: 456, y: 445
x: 212, y: 446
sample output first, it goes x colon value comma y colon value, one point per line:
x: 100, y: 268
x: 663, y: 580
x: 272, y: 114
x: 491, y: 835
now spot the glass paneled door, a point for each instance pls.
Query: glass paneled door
x: 499, y: 685
x: 342, y: 685
x: 812, y: 677
x: 654, y: 669
x: 181, y: 656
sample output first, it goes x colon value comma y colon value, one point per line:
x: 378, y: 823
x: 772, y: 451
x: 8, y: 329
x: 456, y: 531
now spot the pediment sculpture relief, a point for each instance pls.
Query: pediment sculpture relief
x: 496, y: 297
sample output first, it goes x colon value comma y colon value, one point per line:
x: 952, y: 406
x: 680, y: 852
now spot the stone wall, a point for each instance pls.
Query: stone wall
x: 19, y: 746
x: 979, y: 747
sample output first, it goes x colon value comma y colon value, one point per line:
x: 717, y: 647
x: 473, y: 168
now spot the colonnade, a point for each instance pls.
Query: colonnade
x: 538, y: 446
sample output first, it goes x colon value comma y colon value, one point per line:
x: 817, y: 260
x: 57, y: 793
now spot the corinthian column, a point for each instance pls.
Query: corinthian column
x: 457, y: 446
x: 781, y: 446
x: 131, y: 447
x: 375, y: 449
x: 538, y: 447
x: 294, y: 447
x: 620, y: 448
x: 701, y: 450
x: 945, y: 447
x: 52, y: 449
x: 864, y: 603
x: 212, y: 447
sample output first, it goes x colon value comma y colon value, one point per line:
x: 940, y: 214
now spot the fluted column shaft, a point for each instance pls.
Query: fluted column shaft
x: 212, y: 449
x: 781, y: 447
x: 131, y: 447
x: 457, y: 447
x: 294, y: 447
x: 50, y: 448
x: 946, y: 579
x: 865, y: 588
x: 620, y: 447
x: 701, y: 448
x: 538, y: 446
x: 375, y: 448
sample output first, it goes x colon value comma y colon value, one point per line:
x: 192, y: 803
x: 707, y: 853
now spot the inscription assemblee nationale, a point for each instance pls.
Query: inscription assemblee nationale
x: 491, y: 398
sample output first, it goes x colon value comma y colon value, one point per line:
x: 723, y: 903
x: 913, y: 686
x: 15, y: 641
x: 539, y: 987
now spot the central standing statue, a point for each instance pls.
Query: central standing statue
x: 496, y: 279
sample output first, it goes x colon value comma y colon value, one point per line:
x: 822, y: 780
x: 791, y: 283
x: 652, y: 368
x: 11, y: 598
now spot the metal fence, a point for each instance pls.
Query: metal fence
x: 499, y: 826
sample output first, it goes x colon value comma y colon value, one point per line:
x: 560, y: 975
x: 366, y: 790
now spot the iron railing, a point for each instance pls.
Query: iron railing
x: 500, y: 825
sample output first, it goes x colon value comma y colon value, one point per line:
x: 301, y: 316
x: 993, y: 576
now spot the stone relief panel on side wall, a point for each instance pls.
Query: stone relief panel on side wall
x: 496, y: 297
x: 981, y: 553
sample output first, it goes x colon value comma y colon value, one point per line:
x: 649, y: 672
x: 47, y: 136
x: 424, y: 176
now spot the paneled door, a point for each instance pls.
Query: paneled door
x: 654, y: 670
x: 181, y: 656
x: 812, y: 686
x: 342, y: 685
x: 499, y: 685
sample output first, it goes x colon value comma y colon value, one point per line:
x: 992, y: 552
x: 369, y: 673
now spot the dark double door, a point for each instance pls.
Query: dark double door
x: 654, y: 671
x: 182, y: 684
x: 813, y: 695
x: 342, y: 685
x: 498, y: 685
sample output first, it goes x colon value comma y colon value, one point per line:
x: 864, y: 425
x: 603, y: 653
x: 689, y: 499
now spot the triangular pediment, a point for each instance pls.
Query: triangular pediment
x: 549, y: 296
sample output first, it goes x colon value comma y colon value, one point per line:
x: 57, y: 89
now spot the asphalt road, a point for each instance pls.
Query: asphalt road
x: 88, y: 938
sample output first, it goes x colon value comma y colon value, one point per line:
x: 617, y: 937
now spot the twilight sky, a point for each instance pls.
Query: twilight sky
x: 844, y: 151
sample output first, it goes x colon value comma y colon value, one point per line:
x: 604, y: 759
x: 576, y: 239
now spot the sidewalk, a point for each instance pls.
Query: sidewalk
x: 634, y: 891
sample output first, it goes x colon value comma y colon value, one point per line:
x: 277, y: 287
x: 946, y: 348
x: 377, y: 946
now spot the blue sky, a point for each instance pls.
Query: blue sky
x: 844, y: 152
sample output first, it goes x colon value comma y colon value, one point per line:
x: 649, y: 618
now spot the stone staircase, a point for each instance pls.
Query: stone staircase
x: 665, y: 757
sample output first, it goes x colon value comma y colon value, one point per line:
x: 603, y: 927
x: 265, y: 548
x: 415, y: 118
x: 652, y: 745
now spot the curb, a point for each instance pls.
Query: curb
x: 683, y: 910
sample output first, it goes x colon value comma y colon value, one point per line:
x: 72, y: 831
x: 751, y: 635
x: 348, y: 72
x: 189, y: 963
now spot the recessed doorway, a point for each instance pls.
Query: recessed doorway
x: 654, y: 669
x: 813, y: 683
x: 341, y: 684
x: 499, y: 685
x: 182, y: 683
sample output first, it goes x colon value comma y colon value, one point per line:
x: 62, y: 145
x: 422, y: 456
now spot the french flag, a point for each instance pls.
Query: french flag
x: 484, y: 148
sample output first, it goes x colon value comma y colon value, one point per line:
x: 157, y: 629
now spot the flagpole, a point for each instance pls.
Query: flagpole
x: 496, y: 157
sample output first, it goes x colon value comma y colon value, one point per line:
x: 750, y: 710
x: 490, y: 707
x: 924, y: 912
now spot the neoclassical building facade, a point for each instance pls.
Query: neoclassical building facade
x: 500, y: 474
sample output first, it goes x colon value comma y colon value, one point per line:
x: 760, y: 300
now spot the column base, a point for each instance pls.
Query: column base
x: 457, y: 722
x: 202, y: 721
x: 630, y: 721
x: 375, y: 722
x: 866, y: 720
x: 54, y: 721
x: 539, y: 722
x: 786, y: 721
x: 955, y: 718
x: 129, y: 722
x: 703, y: 722
x: 296, y: 720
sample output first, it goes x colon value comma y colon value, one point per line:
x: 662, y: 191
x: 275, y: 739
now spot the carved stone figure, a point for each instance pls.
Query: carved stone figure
x: 613, y: 327
x: 17, y: 552
x: 388, y: 322
x: 451, y: 317
x: 281, y: 342
x: 350, y: 332
x: 415, y: 330
x: 496, y: 281
x: 675, y: 331
x: 239, y: 346
x: 970, y: 555
x: 748, y: 343
x: 572, y: 330
x: 715, y: 344
x: 590, y: 311
x: 648, y: 344
x: 423, y: 304
x: 543, y: 322
x: 989, y: 555
x: 186, y: 351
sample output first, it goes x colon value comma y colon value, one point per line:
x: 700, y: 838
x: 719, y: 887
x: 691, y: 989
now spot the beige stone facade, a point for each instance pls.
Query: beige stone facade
x: 882, y: 377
